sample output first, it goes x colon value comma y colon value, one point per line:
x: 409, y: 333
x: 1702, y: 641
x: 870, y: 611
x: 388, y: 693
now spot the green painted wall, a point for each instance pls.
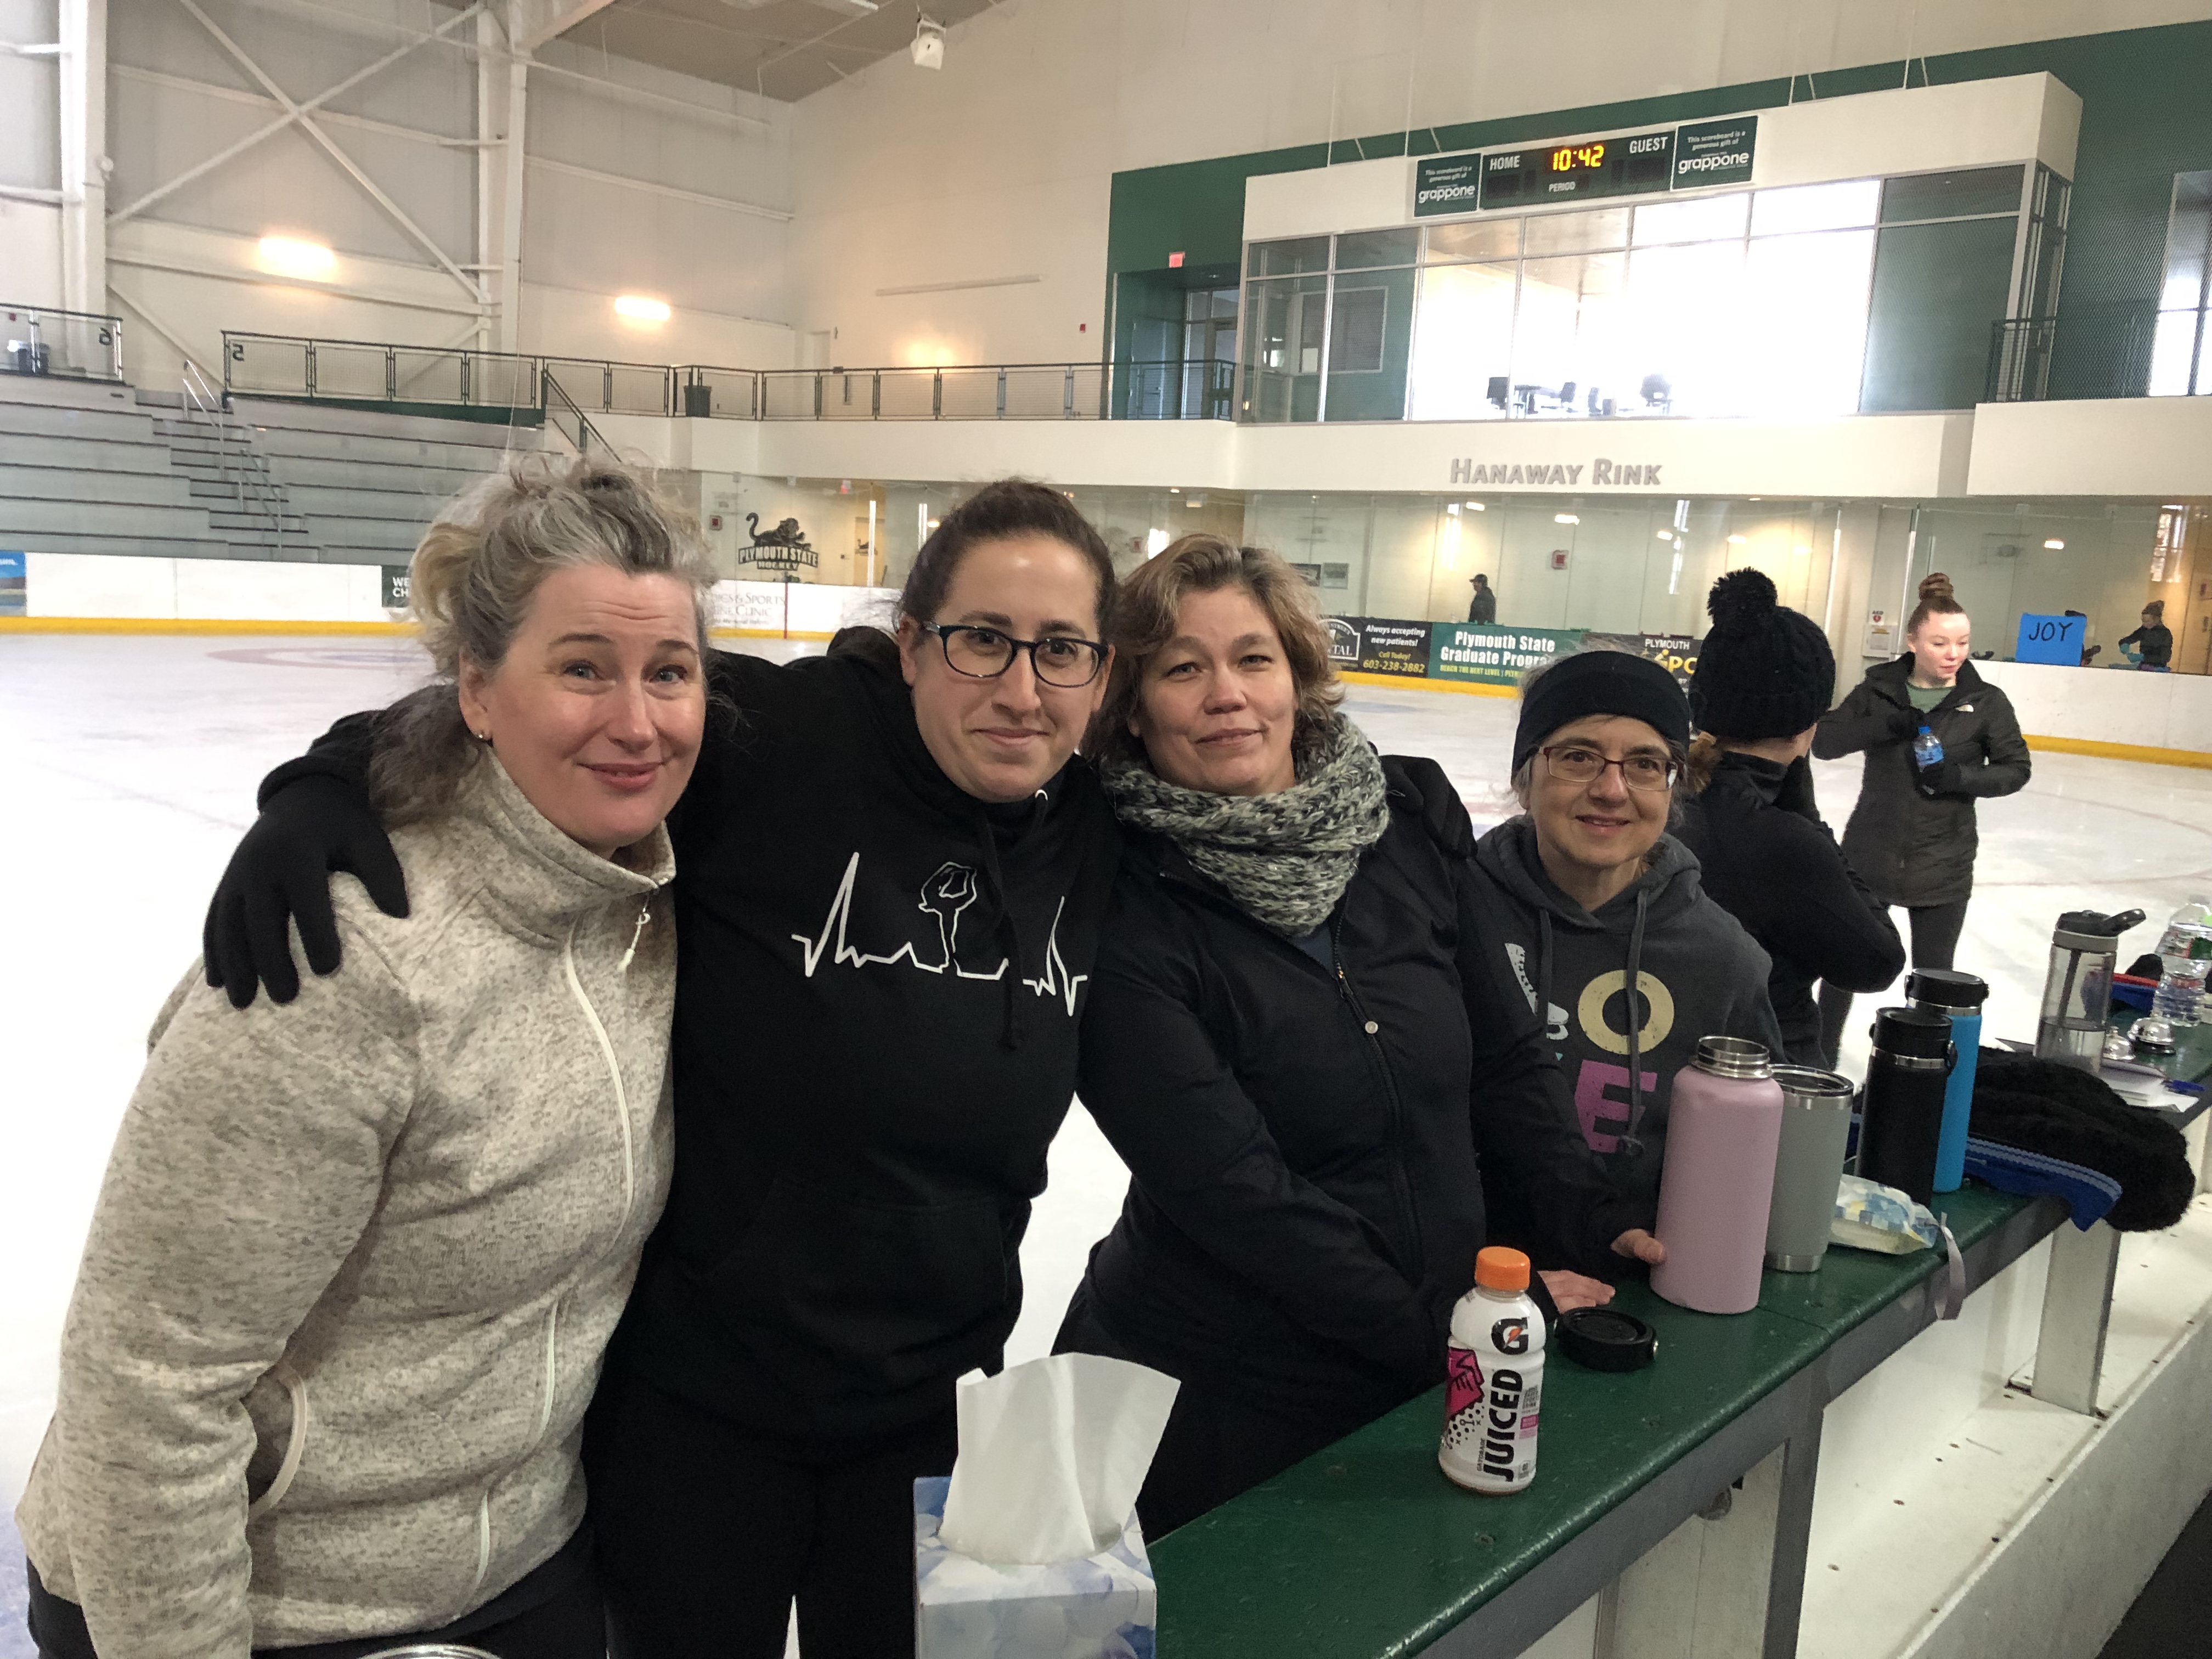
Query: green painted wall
x: 2146, y: 115
x: 1936, y: 288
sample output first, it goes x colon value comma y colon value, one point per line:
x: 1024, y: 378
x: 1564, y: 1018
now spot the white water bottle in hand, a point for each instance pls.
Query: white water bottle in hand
x: 1495, y: 1378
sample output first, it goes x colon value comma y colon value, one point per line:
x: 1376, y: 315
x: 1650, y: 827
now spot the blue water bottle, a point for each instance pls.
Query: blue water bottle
x: 1927, y: 748
x: 1960, y: 996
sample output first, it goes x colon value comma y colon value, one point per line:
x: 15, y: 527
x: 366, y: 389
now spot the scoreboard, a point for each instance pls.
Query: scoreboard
x: 1629, y: 165
x: 1692, y: 157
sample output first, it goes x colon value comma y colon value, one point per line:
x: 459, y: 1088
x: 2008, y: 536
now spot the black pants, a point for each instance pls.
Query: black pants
x: 553, y: 1612
x: 1936, y: 930
x: 1219, y: 1441
x: 708, y: 1531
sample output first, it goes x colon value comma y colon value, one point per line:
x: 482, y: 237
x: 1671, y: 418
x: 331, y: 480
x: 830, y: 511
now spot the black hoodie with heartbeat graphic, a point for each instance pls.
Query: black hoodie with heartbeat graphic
x: 880, y: 983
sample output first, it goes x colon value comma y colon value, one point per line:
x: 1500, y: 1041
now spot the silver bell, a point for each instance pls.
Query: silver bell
x: 2153, y: 1033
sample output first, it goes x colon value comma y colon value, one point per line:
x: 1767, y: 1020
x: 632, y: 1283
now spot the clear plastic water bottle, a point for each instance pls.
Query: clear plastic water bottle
x: 1927, y: 748
x: 2184, y: 954
x: 1494, y: 1391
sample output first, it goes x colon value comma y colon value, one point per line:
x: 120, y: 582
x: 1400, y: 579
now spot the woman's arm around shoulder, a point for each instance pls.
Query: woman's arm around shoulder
x: 250, y: 1159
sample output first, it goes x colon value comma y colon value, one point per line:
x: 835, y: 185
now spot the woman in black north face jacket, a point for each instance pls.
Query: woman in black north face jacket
x: 1294, y: 1044
x: 1912, y: 836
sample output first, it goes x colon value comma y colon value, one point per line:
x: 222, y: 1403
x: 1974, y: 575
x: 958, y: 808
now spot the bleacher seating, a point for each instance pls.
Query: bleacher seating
x: 89, y: 467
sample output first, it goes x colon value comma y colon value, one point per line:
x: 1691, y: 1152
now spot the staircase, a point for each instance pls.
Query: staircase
x: 87, y: 467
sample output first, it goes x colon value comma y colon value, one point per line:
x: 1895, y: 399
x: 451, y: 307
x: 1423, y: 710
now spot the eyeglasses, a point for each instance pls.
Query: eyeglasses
x: 984, y: 654
x: 1573, y: 764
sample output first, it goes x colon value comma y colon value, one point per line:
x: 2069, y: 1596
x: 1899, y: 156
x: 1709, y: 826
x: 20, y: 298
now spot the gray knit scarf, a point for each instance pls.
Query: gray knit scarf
x: 1286, y: 858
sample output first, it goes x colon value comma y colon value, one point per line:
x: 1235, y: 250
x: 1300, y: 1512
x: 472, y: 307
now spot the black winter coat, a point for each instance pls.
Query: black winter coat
x: 1770, y: 863
x: 1306, y: 1202
x: 1910, y: 848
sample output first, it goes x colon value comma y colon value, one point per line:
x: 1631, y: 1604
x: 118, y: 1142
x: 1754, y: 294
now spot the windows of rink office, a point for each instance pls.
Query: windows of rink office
x: 1827, y: 298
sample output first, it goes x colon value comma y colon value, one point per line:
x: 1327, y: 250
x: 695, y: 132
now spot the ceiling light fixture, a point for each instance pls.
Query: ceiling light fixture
x: 929, y: 47
x: 1738, y: 541
x: 2056, y: 545
x: 1477, y: 506
x: 640, y: 309
x: 1566, y: 518
x: 289, y: 256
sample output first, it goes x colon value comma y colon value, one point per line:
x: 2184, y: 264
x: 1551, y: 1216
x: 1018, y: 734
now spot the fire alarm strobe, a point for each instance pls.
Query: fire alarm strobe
x: 1605, y: 1340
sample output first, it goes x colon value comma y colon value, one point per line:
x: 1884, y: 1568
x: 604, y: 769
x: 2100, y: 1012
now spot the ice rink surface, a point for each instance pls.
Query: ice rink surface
x: 132, y: 763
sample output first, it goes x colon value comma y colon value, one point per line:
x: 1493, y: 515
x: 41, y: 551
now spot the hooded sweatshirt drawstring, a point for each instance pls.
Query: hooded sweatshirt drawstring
x: 1635, y: 1023
x: 1008, y: 935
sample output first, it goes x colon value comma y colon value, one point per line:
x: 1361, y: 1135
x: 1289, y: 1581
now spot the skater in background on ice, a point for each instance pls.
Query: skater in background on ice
x: 1937, y: 738
x: 1299, y: 1042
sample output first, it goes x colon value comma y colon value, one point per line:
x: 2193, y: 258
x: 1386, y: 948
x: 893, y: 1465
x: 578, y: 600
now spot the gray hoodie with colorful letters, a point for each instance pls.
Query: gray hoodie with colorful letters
x: 1697, y: 974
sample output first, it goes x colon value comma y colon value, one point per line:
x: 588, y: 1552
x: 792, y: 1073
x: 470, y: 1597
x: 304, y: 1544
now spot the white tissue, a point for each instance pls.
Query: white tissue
x: 1052, y: 1456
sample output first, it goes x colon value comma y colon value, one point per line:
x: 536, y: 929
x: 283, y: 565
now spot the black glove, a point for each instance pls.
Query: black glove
x: 1797, y: 792
x: 1946, y: 777
x: 1904, y: 724
x: 281, y: 875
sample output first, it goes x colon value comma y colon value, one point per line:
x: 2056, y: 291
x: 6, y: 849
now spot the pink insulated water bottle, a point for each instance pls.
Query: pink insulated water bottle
x: 1724, y: 1127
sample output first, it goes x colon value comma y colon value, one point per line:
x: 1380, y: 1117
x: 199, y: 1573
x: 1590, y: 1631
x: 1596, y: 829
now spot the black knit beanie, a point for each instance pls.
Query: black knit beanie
x: 1764, y: 670
x: 1599, y: 683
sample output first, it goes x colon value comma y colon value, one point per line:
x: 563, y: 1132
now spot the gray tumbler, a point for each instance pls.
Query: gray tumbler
x: 1816, y: 1128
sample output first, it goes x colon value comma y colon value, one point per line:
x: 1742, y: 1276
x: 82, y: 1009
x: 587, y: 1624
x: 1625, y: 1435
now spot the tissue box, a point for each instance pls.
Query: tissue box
x: 1098, y: 1607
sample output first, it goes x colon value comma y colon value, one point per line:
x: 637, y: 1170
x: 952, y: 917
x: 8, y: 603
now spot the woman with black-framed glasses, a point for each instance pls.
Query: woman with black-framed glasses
x: 895, y: 870
x: 1600, y: 914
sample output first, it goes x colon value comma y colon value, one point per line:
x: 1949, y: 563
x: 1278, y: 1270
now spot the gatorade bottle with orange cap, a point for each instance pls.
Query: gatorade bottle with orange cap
x: 1495, y: 1379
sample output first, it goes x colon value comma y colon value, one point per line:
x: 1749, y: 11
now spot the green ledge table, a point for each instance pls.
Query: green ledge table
x: 1366, y: 1550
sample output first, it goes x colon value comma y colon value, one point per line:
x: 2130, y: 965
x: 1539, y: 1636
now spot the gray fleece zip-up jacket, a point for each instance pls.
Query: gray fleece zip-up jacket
x: 357, y: 1258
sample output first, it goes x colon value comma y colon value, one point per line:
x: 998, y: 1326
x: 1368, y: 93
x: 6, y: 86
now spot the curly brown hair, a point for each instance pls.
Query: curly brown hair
x: 1149, y: 604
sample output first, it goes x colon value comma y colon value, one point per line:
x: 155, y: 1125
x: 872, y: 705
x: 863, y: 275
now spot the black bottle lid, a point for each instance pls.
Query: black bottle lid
x: 1912, y: 1032
x: 1943, y: 989
x: 1605, y: 1340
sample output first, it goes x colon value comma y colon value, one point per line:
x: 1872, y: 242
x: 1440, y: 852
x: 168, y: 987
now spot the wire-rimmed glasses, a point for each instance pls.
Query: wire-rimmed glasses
x: 1570, y: 763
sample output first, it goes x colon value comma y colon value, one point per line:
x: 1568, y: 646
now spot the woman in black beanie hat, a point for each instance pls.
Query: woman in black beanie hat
x: 1764, y: 678
x: 1596, y: 913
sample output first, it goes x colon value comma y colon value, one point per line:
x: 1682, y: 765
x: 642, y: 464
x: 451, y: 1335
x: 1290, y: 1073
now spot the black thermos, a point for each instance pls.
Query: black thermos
x: 1901, y: 1123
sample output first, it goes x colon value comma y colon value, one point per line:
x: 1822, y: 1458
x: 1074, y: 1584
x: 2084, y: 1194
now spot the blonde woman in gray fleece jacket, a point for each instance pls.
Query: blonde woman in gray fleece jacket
x: 356, y: 1257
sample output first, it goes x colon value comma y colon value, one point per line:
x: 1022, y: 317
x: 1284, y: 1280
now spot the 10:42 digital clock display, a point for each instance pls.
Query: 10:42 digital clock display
x: 1629, y: 165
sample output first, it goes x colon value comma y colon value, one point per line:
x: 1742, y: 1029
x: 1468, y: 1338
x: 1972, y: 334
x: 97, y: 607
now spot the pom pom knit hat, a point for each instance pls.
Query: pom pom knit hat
x: 1764, y: 670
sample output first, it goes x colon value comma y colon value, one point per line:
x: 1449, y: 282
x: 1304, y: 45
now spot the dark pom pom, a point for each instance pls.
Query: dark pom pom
x: 1741, y: 598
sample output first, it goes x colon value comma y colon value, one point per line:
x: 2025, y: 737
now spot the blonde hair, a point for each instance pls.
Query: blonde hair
x: 1149, y: 604
x: 471, y: 582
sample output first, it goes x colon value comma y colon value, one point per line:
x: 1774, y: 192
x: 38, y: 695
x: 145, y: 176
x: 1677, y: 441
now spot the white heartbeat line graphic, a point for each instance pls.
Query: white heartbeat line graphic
x: 945, y: 896
x: 1055, y: 968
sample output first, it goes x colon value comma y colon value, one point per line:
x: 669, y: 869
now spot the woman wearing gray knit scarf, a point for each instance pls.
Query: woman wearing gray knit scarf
x: 1294, y: 1047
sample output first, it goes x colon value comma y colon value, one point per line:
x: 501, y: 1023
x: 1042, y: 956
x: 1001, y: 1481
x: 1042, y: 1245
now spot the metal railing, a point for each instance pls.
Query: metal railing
x: 39, y: 340
x: 357, y: 371
x: 564, y: 417
x: 241, y: 467
x: 2105, y: 352
x: 1175, y: 390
